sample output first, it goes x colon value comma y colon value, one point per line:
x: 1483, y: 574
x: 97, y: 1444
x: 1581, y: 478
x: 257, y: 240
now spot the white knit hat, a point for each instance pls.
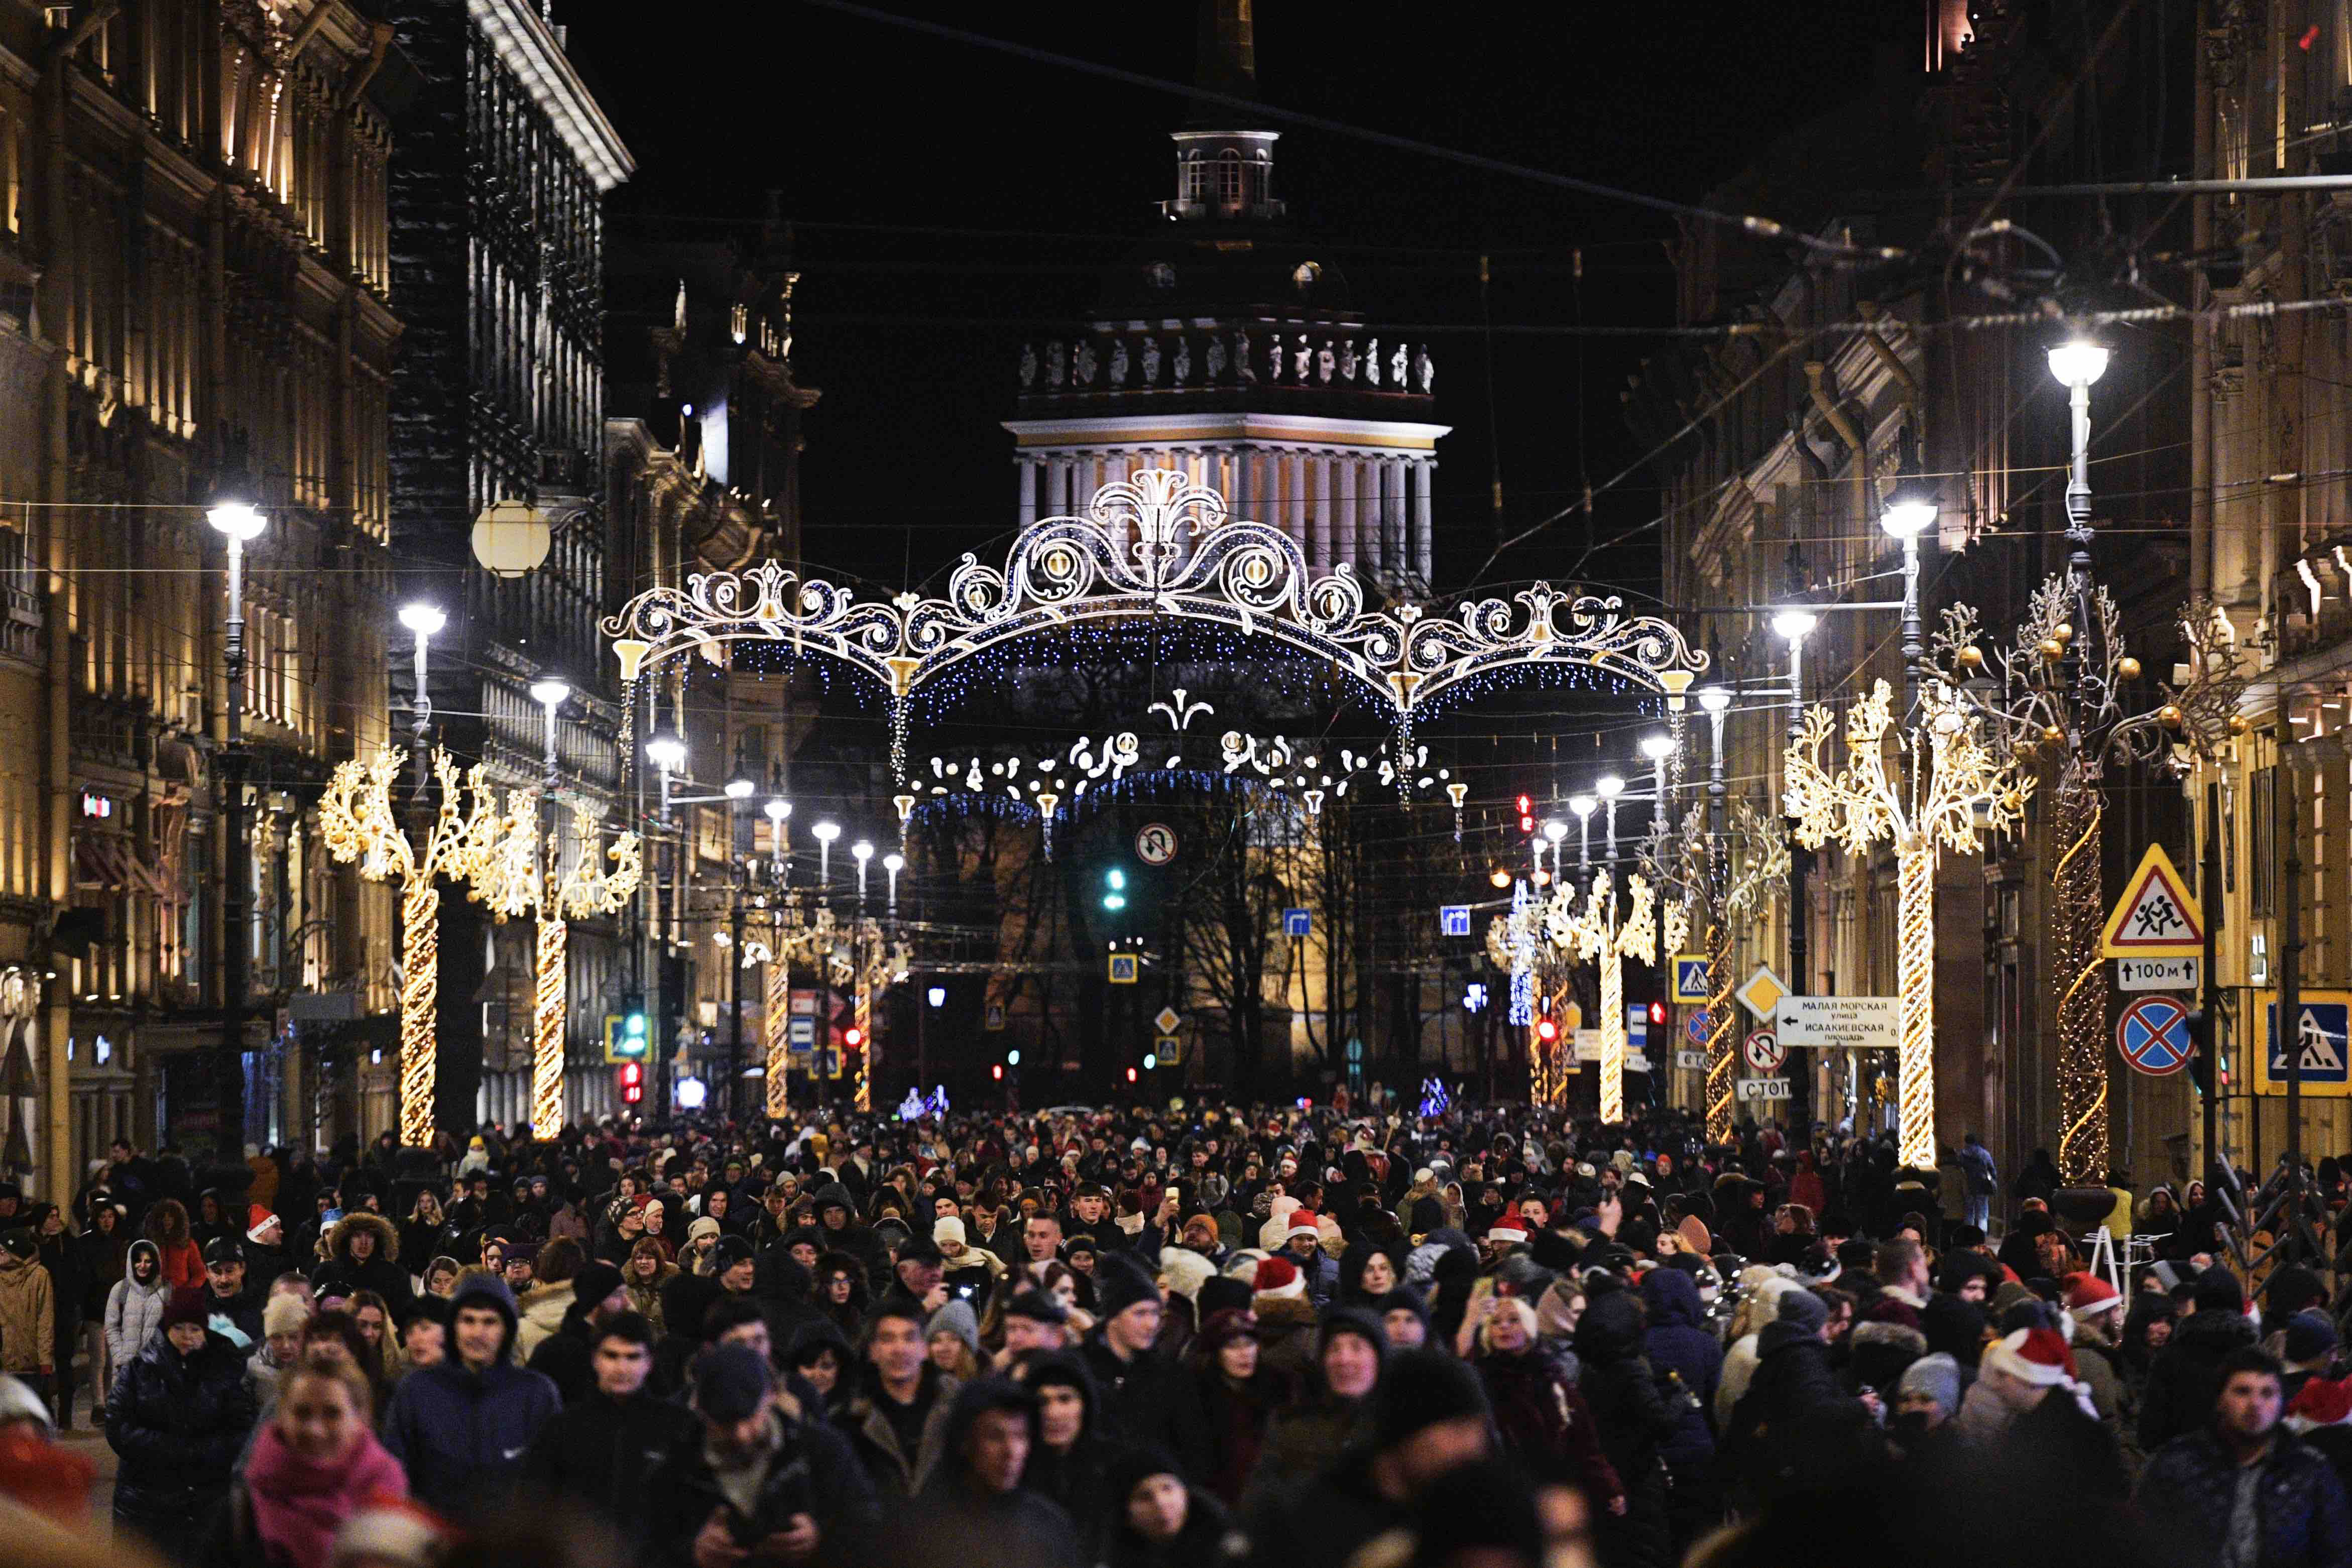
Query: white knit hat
x: 946, y: 1228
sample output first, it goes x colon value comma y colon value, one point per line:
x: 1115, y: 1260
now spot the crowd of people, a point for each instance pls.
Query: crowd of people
x: 1487, y: 1339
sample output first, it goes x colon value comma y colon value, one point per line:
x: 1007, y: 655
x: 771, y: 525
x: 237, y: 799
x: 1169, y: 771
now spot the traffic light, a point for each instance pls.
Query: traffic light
x: 1527, y: 814
x: 1657, y: 1014
x: 997, y: 1071
x: 1546, y: 1026
x: 2208, y: 1068
x: 1114, y: 889
x: 626, y: 1038
x: 852, y: 1038
x: 632, y: 1081
x: 1130, y: 1075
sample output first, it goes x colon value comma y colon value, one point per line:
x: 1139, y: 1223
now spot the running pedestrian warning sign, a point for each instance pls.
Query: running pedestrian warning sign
x: 2156, y: 918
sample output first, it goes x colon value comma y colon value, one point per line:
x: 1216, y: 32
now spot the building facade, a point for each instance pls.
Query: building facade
x: 194, y: 280
x: 496, y: 251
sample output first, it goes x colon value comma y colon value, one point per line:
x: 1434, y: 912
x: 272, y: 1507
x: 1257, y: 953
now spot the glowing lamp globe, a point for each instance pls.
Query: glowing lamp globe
x: 512, y: 538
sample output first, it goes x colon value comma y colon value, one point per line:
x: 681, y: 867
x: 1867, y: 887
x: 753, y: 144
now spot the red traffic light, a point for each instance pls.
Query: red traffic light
x: 633, y: 1093
x: 997, y: 1071
x: 1130, y: 1075
x: 1657, y: 1012
x: 1546, y: 1030
x: 1527, y: 805
x: 632, y: 1074
x: 853, y: 1036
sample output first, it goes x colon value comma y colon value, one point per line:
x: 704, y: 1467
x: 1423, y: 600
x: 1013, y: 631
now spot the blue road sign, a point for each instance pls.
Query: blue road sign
x: 1296, y: 922
x: 1454, y: 919
x: 2319, y: 1032
x: 2153, y: 1035
x: 1690, y: 979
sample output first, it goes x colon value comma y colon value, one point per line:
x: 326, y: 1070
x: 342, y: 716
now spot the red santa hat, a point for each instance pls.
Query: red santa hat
x: 1508, y: 1232
x: 2038, y: 1356
x: 2088, y: 1295
x: 2321, y: 1403
x: 1278, y: 1277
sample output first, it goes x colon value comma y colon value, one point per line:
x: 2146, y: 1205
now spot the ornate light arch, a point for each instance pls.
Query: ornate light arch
x: 1155, y: 545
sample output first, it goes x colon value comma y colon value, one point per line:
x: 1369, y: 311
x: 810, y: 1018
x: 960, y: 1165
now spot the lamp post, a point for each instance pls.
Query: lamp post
x: 1793, y: 626
x: 234, y: 515
x: 1657, y: 748
x: 1583, y: 806
x: 1554, y: 831
x: 1909, y: 513
x: 1609, y: 785
x: 667, y: 752
x: 776, y: 1022
x: 825, y: 833
x: 1721, y: 1064
x: 894, y: 863
x: 736, y: 791
x: 425, y: 623
x: 549, y: 989
x: 861, y: 852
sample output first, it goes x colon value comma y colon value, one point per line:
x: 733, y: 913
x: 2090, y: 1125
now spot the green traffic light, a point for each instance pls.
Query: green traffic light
x: 1115, y: 878
x: 1114, y: 900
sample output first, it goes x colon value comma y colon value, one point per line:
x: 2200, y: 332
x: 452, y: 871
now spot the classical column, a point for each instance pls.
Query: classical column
x: 1057, y: 487
x: 1424, y: 471
x: 1238, y: 504
x: 1026, y: 488
x: 1346, y: 547
x: 1320, y: 465
x: 1393, y: 560
x: 1294, y: 484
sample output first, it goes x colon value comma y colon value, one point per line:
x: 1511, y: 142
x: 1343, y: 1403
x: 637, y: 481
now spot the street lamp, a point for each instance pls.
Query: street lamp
x: 1583, y: 806
x: 1554, y: 831
x: 1909, y: 513
x: 862, y: 852
x: 239, y: 522
x: 1657, y: 748
x: 425, y: 623
x: 778, y: 809
x: 551, y: 694
x: 825, y: 833
x: 1609, y: 786
x: 739, y: 788
x: 894, y: 863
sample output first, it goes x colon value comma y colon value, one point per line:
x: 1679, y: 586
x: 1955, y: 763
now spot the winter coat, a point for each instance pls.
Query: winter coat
x: 540, y: 1313
x: 1792, y: 1381
x: 1148, y: 1401
x: 812, y: 1472
x: 178, y: 1423
x: 68, y: 1281
x: 857, y: 1239
x: 1288, y: 1337
x: 184, y: 1267
x: 1621, y: 1391
x: 1547, y: 1426
x: 646, y: 1298
x: 134, y: 1312
x: 1678, y: 1341
x: 1021, y: 1526
x: 284, y: 1512
x: 2188, y: 1489
x: 381, y: 1272
x: 1306, y: 1439
x: 895, y: 1473
x: 28, y: 1319
x: 2185, y: 1376
x: 1238, y: 1419
x: 463, y: 1433
x: 602, y: 1453
x: 105, y: 1256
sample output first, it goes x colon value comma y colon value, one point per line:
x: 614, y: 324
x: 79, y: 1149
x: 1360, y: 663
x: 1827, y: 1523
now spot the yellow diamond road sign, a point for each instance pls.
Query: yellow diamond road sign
x: 1762, y: 992
x: 1167, y: 1019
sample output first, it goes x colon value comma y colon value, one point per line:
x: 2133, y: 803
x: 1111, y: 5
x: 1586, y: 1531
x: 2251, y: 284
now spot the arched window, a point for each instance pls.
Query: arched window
x: 1195, y: 181
x: 1229, y: 177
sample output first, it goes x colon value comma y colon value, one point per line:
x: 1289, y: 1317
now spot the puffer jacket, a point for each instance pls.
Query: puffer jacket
x: 2187, y: 1492
x: 28, y: 1319
x: 541, y: 1314
x: 1678, y: 1341
x: 462, y: 1434
x: 178, y: 1423
x: 2186, y: 1375
x: 134, y: 1311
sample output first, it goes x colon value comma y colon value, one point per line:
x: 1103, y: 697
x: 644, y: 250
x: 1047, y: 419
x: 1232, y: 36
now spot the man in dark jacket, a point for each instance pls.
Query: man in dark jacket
x: 364, y: 1254
x: 1146, y: 1398
x: 2242, y: 1490
x: 177, y: 1417
x: 755, y: 1476
x: 231, y: 1294
x: 564, y: 1357
x: 462, y: 1427
x: 839, y: 1231
x: 602, y: 1452
x: 975, y: 1498
x: 2187, y: 1373
x: 1792, y: 1381
x: 1677, y: 1342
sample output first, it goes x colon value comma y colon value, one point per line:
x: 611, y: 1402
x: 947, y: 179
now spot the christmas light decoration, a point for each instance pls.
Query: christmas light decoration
x: 1155, y: 548
x: 2024, y: 697
x: 1605, y: 933
x: 1959, y: 791
x: 358, y: 822
x: 521, y: 873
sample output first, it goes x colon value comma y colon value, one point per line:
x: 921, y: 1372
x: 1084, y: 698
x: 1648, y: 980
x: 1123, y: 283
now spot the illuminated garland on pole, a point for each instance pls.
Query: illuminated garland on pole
x: 1756, y: 876
x: 358, y: 822
x: 1606, y: 933
x: 2056, y: 693
x: 521, y: 873
x: 1957, y: 782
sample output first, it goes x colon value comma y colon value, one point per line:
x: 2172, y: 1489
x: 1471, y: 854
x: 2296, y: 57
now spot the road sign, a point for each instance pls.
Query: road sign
x: 2153, y: 1035
x: 2323, y: 1019
x: 803, y: 1032
x: 1695, y: 1060
x: 2156, y: 918
x: 1125, y: 968
x: 1690, y: 978
x: 1762, y: 993
x: 2157, y: 973
x: 1454, y: 919
x: 1296, y: 922
x: 994, y: 1018
x: 1637, y: 1025
x: 1587, y: 1044
x: 1635, y: 1062
x: 1764, y: 1088
x: 1155, y: 843
x: 1698, y: 1026
x: 1844, y: 1023
x: 1167, y: 1019
x: 1763, y: 1051
x: 1169, y: 1051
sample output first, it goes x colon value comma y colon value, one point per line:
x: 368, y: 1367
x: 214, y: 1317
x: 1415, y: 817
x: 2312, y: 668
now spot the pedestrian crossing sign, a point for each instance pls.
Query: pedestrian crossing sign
x: 1124, y: 968
x: 2318, y: 1037
x: 1691, y: 977
x: 2156, y: 918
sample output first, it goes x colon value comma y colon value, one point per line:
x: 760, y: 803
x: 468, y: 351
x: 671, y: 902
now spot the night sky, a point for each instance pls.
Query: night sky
x: 886, y: 143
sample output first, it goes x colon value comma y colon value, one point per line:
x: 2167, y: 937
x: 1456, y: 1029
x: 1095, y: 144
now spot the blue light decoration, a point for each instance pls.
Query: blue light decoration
x: 910, y: 1109
x: 1523, y: 956
x: 1434, y: 1099
x: 936, y: 1102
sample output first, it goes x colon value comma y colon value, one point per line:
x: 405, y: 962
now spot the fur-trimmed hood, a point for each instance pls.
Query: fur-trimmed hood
x: 387, y: 1236
x: 1277, y: 1313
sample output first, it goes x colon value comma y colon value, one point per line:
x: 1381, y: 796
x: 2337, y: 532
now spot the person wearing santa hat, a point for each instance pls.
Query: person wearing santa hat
x: 2320, y: 1414
x: 2095, y: 1311
x: 2016, y: 1375
x: 1286, y: 1327
x: 2240, y: 1489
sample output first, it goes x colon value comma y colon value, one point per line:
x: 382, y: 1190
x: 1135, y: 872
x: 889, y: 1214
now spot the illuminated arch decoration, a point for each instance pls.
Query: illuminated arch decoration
x: 1155, y: 545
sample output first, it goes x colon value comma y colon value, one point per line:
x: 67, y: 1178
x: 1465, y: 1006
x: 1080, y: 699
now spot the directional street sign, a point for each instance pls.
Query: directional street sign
x: 1124, y: 968
x: 1454, y: 919
x: 1762, y: 1052
x: 2157, y: 974
x: 2156, y: 918
x: 1845, y: 1023
x: 1167, y: 1019
x: 1587, y: 1044
x: 1691, y: 977
x: 2323, y: 1021
x: 1762, y: 993
x: 1764, y: 1088
x: 1296, y: 922
x: 1155, y: 843
x: 2153, y: 1035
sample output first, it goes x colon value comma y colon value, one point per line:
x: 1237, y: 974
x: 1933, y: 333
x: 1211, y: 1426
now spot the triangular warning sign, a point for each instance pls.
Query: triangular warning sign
x: 2156, y: 918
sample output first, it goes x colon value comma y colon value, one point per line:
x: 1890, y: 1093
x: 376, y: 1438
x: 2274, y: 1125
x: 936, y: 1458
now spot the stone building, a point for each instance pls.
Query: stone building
x: 496, y: 255
x: 194, y: 279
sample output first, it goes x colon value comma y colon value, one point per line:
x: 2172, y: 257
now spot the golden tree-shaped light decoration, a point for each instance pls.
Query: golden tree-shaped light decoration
x: 2057, y: 693
x: 523, y: 873
x: 1604, y: 931
x: 358, y: 822
x: 1959, y: 792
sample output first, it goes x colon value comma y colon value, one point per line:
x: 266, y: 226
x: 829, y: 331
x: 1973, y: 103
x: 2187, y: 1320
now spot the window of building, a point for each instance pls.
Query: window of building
x: 1229, y: 177
x: 2259, y: 820
x: 1195, y: 183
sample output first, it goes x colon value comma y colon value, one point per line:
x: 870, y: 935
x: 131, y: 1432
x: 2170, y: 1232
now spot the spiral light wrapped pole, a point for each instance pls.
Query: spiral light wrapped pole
x: 776, y: 1026
x: 420, y: 987
x: 549, y: 1000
